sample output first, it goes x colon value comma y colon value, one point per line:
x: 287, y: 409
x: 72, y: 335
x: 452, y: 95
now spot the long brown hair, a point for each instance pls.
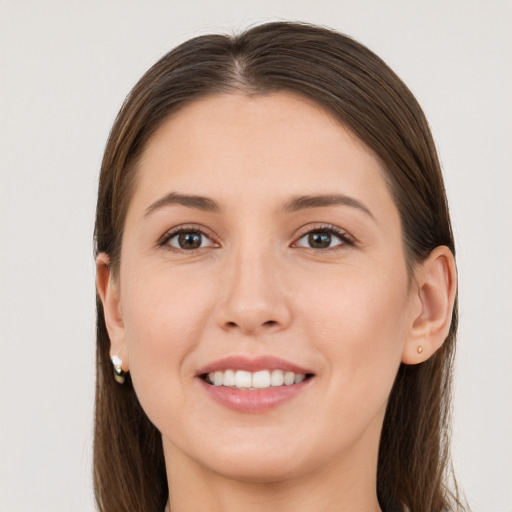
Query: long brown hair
x: 364, y: 94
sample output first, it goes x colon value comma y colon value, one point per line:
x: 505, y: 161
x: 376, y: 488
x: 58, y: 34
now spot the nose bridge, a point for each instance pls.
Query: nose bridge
x: 254, y: 300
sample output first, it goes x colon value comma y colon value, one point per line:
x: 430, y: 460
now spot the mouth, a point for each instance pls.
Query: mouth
x: 254, y: 385
x: 251, y: 381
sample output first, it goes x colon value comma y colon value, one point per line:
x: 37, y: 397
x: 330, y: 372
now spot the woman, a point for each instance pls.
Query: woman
x: 276, y: 285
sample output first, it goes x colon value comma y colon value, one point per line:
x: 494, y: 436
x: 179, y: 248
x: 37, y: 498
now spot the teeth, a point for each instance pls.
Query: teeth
x: 299, y: 377
x: 277, y: 378
x: 229, y: 378
x: 289, y: 378
x: 243, y: 379
x: 261, y: 380
x: 218, y: 377
x: 258, y: 380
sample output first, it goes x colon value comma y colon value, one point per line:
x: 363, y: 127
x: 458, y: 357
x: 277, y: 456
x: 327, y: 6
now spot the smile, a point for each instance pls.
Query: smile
x: 241, y: 379
x: 254, y: 384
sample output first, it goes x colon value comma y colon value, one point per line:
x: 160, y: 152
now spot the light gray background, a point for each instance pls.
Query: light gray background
x: 65, y: 68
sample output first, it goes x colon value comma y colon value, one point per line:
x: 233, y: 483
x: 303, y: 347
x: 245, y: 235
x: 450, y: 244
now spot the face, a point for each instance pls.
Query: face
x: 264, y: 301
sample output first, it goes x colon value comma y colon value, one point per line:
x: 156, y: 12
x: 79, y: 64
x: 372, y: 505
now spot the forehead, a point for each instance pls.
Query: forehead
x: 259, y: 148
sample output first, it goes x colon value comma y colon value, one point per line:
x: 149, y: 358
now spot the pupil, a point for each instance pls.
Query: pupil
x: 319, y: 240
x: 190, y: 240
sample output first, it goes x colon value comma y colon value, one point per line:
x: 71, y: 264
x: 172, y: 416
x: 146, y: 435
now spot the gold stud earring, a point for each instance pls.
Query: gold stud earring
x: 117, y: 363
x: 420, y: 349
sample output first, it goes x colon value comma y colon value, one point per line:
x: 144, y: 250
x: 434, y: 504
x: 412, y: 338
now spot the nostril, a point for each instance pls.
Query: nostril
x: 268, y: 323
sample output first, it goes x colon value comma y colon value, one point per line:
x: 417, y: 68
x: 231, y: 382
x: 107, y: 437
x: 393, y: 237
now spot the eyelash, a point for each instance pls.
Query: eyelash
x: 164, y: 241
x: 345, y: 238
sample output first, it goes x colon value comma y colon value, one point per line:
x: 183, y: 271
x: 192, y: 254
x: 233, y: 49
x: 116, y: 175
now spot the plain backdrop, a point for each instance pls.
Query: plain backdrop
x: 65, y: 68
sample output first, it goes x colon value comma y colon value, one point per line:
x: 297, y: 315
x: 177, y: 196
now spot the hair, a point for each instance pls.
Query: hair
x: 356, y: 87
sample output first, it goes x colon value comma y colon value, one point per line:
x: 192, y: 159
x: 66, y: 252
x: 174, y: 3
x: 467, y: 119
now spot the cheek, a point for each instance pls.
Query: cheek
x: 162, y: 313
x: 163, y: 321
x: 359, y: 322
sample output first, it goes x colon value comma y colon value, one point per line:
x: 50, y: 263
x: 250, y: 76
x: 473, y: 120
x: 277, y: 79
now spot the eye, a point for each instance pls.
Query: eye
x: 187, y: 239
x: 324, y: 238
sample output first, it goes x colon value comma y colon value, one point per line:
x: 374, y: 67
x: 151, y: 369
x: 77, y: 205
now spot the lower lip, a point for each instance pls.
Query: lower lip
x: 254, y: 401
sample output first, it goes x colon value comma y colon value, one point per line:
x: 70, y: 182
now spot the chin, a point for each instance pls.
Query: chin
x: 261, y: 461
x: 260, y: 469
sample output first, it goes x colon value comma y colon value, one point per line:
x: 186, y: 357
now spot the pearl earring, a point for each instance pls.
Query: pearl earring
x: 117, y: 362
x: 420, y: 349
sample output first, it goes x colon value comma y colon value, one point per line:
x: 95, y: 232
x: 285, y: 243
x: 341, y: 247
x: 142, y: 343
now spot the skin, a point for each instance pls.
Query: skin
x: 349, y: 311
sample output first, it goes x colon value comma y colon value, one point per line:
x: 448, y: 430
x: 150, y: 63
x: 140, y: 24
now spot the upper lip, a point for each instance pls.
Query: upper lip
x: 252, y: 364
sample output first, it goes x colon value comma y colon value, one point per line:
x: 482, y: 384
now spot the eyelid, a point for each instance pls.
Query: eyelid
x: 172, y: 232
x: 345, y: 237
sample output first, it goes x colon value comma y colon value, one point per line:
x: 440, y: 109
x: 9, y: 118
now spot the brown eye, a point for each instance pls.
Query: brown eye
x: 325, y: 238
x: 319, y: 240
x: 189, y: 240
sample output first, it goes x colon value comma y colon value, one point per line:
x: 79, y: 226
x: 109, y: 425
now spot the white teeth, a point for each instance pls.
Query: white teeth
x: 229, y: 378
x: 277, y: 378
x: 289, y: 378
x: 299, y: 377
x: 218, y: 377
x: 243, y: 379
x: 258, y: 380
x: 261, y: 379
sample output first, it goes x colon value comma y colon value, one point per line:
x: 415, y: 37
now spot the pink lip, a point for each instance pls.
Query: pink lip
x: 253, y: 401
x: 252, y: 365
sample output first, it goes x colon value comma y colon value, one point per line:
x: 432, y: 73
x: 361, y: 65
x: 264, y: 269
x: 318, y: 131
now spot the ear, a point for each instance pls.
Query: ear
x: 434, y: 293
x: 108, y: 291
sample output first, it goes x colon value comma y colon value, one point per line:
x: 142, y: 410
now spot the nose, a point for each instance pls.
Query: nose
x: 255, y: 300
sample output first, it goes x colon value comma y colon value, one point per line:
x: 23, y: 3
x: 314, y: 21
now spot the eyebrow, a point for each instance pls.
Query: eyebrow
x: 305, y: 202
x: 199, y: 202
x: 297, y: 203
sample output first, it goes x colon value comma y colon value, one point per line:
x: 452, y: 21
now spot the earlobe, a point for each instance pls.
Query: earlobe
x: 108, y: 291
x: 435, y: 290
